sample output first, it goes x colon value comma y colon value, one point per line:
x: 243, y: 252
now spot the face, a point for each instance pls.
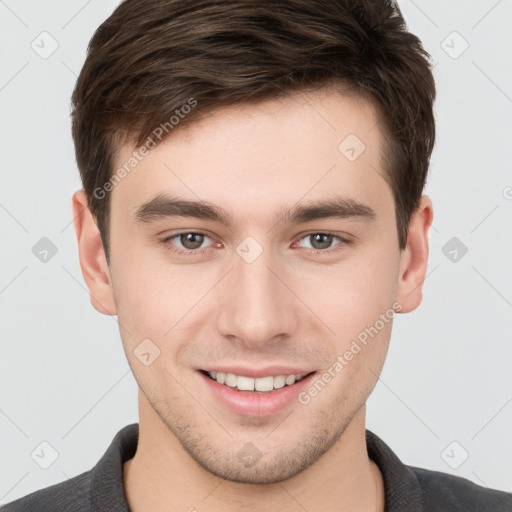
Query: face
x: 260, y: 281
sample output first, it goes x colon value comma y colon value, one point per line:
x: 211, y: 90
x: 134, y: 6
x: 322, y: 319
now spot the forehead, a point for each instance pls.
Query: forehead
x: 277, y: 152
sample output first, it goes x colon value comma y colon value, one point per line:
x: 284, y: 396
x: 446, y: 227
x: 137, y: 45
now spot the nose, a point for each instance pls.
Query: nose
x: 258, y: 308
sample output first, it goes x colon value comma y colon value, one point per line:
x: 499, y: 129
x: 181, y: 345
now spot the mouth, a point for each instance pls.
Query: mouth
x: 262, y: 394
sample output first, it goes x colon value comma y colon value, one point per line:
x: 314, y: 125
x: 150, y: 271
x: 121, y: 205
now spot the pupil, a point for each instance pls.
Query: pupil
x: 190, y: 241
x: 323, y: 244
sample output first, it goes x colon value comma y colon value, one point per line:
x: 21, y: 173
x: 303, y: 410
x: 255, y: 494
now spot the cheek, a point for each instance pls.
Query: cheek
x: 155, y: 300
x: 351, y: 295
x: 359, y: 310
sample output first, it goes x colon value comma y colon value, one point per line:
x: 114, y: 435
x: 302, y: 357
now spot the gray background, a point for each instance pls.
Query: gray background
x: 64, y: 376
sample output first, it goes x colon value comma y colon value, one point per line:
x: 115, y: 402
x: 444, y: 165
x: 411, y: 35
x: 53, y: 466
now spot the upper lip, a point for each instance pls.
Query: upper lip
x: 258, y: 372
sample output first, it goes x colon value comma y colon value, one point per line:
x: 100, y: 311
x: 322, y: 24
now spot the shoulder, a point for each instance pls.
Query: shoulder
x: 100, y: 488
x: 414, y: 489
x: 442, y: 491
x: 70, y: 495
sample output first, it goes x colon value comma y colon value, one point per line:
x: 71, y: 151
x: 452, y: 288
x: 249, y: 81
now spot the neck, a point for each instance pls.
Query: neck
x: 163, y: 476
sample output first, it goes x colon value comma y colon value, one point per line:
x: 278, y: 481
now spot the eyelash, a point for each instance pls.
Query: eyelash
x: 315, y: 252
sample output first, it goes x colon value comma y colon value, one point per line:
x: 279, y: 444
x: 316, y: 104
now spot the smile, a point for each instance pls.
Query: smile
x: 256, y: 391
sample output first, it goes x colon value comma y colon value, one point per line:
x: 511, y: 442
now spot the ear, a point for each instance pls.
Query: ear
x: 414, y: 258
x: 92, y: 256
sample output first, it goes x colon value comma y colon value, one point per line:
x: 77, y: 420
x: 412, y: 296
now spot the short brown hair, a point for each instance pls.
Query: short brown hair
x: 151, y: 57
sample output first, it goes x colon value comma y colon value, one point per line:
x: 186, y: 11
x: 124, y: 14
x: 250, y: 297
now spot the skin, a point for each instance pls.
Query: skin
x: 289, y: 306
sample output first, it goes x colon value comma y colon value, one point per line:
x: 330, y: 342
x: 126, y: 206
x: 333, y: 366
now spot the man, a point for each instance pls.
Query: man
x: 253, y: 214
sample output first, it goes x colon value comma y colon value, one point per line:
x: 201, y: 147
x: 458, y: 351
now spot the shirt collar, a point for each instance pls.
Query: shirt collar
x: 402, y: 489
x: 107, y: 489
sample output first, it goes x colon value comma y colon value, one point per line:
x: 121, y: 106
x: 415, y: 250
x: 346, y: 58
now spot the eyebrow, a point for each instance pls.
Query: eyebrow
x: 164, y: 206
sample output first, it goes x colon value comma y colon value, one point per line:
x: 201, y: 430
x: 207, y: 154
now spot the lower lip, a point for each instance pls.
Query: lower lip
x: 249, y: 403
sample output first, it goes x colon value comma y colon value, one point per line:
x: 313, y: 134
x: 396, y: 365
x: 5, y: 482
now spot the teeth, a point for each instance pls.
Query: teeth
x: 245, y: 383
x: 261, y: 384
x: 279, y: 381
x: 264, y: 383
x: 290, y: 379
x: 231, y: 380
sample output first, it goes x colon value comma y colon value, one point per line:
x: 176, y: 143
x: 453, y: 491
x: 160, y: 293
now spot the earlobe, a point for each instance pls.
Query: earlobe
x: 414, y: 259
x: 92, y: 256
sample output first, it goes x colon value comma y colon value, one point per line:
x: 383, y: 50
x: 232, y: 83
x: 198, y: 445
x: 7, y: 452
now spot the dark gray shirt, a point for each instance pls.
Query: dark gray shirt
x: 408, y: 488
